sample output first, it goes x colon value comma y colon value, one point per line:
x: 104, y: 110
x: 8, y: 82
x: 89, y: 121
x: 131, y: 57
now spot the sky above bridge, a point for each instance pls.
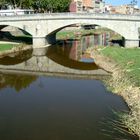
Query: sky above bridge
x: 120, y: 2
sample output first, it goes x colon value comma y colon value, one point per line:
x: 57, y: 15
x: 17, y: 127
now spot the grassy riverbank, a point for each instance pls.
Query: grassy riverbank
x: 73, y: 34
x: 4, y: 47
x: 78, y: 33
x: 124, y: 64
x: 128, y: 60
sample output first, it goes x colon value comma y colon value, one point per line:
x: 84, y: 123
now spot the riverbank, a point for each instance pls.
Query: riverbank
x: 8, y: 48
x: 78, y: 33
x: 124, y: 81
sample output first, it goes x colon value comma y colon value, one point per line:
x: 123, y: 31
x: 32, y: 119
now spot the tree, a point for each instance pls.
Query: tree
x: 53, y: 5
x: 62, y: 5
x: 47, y: 5
x: 134, y: 2
x: 18, y: 3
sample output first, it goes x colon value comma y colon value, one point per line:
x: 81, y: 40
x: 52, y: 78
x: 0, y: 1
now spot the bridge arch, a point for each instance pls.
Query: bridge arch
x: 114, y: 28
x: 44, y: 26
x: 19, y: 26
x: 128, y: 30
x: 52, y: 35
x: 14, y: 33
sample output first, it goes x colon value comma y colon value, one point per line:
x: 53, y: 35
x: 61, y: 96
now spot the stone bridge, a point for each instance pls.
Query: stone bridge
x: 43, y: 27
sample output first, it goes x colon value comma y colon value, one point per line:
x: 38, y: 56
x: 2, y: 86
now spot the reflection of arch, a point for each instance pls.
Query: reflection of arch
x: 16, y: 58
x: 58, y: 57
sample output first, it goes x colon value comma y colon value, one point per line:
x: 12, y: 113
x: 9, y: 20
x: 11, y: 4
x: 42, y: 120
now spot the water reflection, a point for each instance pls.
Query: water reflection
x: 16, y: 58
x: 63, y: 56
x: 59, y: 58
x: 72, y: 53
x: 69, y: 53
x: 16, y: 81
x: 57, y: 108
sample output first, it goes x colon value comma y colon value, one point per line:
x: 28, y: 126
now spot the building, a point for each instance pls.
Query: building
x: 76, y: 6
x: 88, y: 5
x: 128, y: 9
x: 98, y: 6
x: 124, y: 9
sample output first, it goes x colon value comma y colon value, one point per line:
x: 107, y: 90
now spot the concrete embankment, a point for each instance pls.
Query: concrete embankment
x: 121, y: 85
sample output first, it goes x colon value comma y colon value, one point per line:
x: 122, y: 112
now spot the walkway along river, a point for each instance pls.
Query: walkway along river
x: 40, y: 99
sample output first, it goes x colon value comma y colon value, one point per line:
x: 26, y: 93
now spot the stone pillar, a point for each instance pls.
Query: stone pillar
x: 131, y: 43
x: 39, y: 42
x: 40, y: 45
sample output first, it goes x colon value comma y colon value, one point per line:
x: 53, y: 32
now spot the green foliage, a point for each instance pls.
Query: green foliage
x: 128, y: 59
x: 46, y: 5
x: 53, y: 5
x: 4, y: 47
x: 18, y: 3
x: 13, y: 81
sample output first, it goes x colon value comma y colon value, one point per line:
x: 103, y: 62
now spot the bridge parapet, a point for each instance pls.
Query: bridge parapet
x: 52, y: 16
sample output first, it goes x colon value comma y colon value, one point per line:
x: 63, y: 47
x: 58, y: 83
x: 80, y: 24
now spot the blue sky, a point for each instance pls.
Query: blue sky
x: 119, y: 2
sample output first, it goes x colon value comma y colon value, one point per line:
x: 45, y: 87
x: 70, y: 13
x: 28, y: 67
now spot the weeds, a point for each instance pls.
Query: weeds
x: 122, y: 84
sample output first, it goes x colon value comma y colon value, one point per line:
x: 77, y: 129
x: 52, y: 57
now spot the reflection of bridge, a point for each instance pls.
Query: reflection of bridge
x: 42, y: 65
x: 43, y: 27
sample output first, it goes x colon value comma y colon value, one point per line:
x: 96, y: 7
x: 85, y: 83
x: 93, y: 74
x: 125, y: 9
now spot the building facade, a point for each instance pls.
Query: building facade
x: 76, y: 6
x: 128, y: 9
x: 96, y: 6
x: 88, y: 6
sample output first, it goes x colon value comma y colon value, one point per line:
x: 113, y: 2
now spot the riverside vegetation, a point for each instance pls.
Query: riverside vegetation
x: 124, y: 64
x: 78, y: 33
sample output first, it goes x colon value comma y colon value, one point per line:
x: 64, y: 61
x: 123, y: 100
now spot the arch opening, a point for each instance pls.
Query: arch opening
x: 12, y: 34
x: 75, y: 39
x: 75, y: 31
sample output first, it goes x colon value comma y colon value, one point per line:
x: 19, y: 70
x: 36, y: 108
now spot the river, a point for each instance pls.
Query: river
x: 39, y: 107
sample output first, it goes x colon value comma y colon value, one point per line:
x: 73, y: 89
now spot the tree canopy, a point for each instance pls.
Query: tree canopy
x: 46, y: 5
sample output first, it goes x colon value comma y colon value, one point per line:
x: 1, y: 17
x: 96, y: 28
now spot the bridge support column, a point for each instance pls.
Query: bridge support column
x: 131, y: 43
x: 40, y: 45
x: 39, y: 42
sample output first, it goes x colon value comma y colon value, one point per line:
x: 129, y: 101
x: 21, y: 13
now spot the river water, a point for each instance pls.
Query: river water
x: 58, y: 108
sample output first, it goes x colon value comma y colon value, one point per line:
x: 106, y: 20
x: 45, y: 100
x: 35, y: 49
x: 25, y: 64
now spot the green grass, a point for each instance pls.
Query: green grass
x: 4, y: 47
x: 65, y: 35
x: 128, y: 59
x: 76, y: 34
